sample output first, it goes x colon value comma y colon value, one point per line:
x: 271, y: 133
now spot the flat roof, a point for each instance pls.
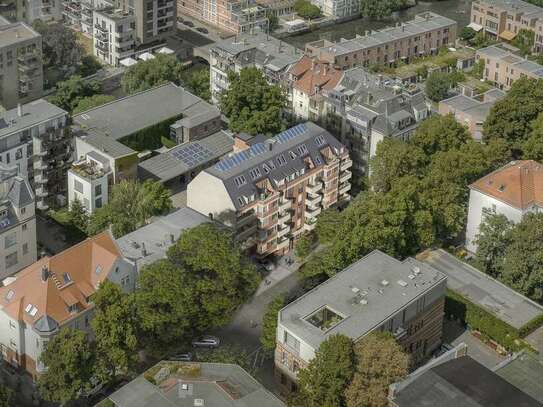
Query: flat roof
x: 105, y: 144
x: 362, y: 280
x: 184, y: 383
x: 16, y: 32
x: 525, y: 371
x: 158, y: 236
x: 34, y: 113
x: 481, y: 289
x: 125, y: 116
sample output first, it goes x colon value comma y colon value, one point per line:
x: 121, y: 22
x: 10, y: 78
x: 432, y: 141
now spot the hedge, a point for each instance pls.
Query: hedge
x: 484, y: 322
x: 530, y: 326
x: 150, y: 138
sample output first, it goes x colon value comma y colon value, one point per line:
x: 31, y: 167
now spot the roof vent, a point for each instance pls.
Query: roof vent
x: 355, y: 290
x: 44, y: 273
x: 402, y: 283
x: 384, y: 283
x: 363, y: 301
x: 416, y: 270
x: 411, y: 276
x: 501, y: 188
x: 198, y: 402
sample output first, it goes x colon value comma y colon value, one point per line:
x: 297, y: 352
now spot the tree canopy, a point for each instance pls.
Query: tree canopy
x: 251, y: 104
x: 6, y: 396
x: 437, y: 86
x: 60, y: 47
x: 72, y: 91
x: 197, y: 81
x: 153, y: 72
x: 305, y: 9
x: 269, y: 324
x: 89, y: 102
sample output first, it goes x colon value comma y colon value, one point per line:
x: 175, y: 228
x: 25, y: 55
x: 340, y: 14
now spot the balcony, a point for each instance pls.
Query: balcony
x: 41, y: 165
x: 100, y: 28
x: 283, y: 243
x: 283, y: 231
x: 41, y: 179
x: 41, y: 192
x: 314, y: 188
x: 346, y: 164
x: 311, y: 214
x: 285, y: 205
x: 247, y: 232
x: 313, y: 200
x: 41, y: 205
x: 265, y: 235
x: 283, y: 217
x: 344, y: 188
x: 345, y: 176
x: 245, y: 219
x: 310, y: 225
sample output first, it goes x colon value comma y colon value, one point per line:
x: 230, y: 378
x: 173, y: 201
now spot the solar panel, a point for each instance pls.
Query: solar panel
x: 192, y: 154
x: 291, y: 133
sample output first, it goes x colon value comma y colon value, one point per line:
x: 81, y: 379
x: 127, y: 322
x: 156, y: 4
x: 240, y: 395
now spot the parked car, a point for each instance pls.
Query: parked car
x: 203, y: 30
x: 188, y: 23
x: 181, y: 357
x: 206, y: 341
x: 268, y: 264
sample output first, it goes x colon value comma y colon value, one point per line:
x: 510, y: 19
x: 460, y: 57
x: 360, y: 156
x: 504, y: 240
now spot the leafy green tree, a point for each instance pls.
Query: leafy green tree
x: 129, y: 207
x: 524, y: 41
x: 380, y: 9
x: 197, y: 82
x: 303, y: 246
x: 437, y: 86
x: 6, y: 397
x: 148, y: 74
x: 492, y: 241
x: 89, y: 65
x: 60, y: 47
x: 533, y: 146
x: 70, y: 363
x: 380, y: 361
x: 90, y: 102
x: 222, y: 276
x: 251, y: 104
x: 269, y: 324
x: 70, y: 92
x: 322, y: 383
x: 467, y: 33
x: 305, y: 9
x: 114, y: 326
x: 523, y: 265
x: 78, y: 215
x: 440, y: 133
x: 327, y: 224
x: 478, y: 68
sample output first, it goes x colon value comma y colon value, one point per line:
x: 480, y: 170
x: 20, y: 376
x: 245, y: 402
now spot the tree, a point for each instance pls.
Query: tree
x: 523, y: 265
x: 306, y: 9
x: 6, y: 396
x: 524, y: 41
x: 197, y: 82
x: 78, y: 215
x: 533, y: 146
x: 467, y: 33
x: 380, y: 361
x: 70, y: 92
x: 269, y: 324
x: 273, y: 21
x: 60, y: 47
x: 70, y: 365
x: 89, y: 66
x: 222, y: 277
x: 129, y: 207
x: 379, y: 9
x: 440, y: 133
x: 327, y: 225
x: 148, y: 74
x: 90, y: 102
x: 323, y: 381
x: 492, y: 241
x: 437, y: 86
x: 303, y: 246
x: 251, y: 104
x: 114, y: 327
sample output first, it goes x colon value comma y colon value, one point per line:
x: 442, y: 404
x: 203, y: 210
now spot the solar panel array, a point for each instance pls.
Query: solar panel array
x: 192, y: 154
x: 291, y: 133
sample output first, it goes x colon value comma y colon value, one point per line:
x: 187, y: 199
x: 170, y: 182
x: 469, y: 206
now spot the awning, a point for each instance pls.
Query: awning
x: 475, y: 26
x: 165, y: 50
x: 146, y: 56
x: 507, y: 35
x: 128, y: 61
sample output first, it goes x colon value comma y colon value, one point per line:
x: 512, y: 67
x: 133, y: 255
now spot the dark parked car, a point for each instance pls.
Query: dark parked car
x: 203, y: 30
x: 188, y: 23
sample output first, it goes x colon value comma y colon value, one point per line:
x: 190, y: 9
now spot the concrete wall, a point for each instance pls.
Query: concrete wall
x: 207, y: 194
x: 88, y: 197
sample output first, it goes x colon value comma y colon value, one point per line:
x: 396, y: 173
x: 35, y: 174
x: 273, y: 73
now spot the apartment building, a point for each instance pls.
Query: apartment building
x: 340, y: 10
x: 114, y: 37
x: 512, y: 191
x: 233, y: 16
x: 155, y: 19
x: 88, y: 181
x: 17, y: 222
x: 44, y: 10
x: 471, y: 111
x: 56, y: 292
x: 78, y: 13
x: 272, y: 56
x: 423, y: 35
x: 272, y: 192
x: 21, y: 73
x: 363, y: 108
x: 503, y: 19
x: 503, y: 67
x: 376, y: 294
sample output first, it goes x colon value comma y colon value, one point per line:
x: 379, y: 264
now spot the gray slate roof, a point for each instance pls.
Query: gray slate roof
x: 17, y: 32
x: 105, y: 144
x: 186, y: 157
x: 272, y: 159
x: 158, y: 236
x: 45, y: 324
x: 525, y: 371
x: 34, y: 113
x: 339, y: 294
x: 484, y: 291
x: 130, y: 114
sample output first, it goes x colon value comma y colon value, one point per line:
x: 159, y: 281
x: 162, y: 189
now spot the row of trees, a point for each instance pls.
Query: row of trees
x: 305, y: 9
x: 379, y: 9
x: 204, y: 278
x: 76, y: 95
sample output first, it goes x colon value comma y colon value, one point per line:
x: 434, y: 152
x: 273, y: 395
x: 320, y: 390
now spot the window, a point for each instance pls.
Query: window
x: 324, y: 319
x: 11, y: 260
x: 10, y: 240
x: 66, y: 278
x: 98, y: 190
x: 78, y: 186
x: 240, y: 181
x: 255, y: 173
x: 25, y: 248
x: 23, y: 211
x: 291, y: 341
x: 12, y: 324
x: 72, y: 308
x: 98, y: 203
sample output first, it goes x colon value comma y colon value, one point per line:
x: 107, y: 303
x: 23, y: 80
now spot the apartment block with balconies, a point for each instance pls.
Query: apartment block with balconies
x: 114, y: 35
x: 272, y: 192
x: 376, y: 294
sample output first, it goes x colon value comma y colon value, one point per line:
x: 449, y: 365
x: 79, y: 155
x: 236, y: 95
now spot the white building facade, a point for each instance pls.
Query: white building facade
x: 88, y: 182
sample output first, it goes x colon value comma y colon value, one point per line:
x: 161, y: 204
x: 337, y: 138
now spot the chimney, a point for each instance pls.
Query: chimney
x: 143, y: 249
x: 312, y: 63
x: 325, y: 69
x: 19, y: 110
x: 44, y: 273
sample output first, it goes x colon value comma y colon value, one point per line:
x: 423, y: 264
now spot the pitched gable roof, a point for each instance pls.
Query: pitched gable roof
x: 313, y: 75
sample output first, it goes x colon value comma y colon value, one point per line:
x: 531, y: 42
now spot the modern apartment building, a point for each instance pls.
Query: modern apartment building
x: 17, y: 222
x: 376, y: 294
x: 502, y: 67
x: 363, y: 108
x: 273, y: 191
x: 44, y: 10
x: 78, y: 13
x: 471, y: 111
x: 513, y: 191
x: 114, y: 37
x: 235, y: 16
x: 423, y: 35
x: 56, y: 292
x: 503, y: 19
x: 88, y: 181
x: 21, y: 73
x: 272, y: 56
x: 341, y: 10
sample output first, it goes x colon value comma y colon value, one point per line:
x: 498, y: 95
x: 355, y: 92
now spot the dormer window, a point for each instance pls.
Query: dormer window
x: 66, y: 277
x: 72, y: 308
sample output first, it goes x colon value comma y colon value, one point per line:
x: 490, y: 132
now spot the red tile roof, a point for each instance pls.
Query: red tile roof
x: 313, y: 75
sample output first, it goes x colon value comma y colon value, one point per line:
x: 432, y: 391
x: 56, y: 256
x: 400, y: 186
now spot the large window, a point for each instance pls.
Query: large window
x: 291, y: 341
x: 78, y: 186
x: 10, y: 240
x: 98, y: 190
x: 11, y: 260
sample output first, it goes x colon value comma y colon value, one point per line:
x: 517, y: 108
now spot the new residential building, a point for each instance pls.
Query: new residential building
x: 363, y: 108
x: 423, y: 35
x: 471, y: 111
x: 21, y: 74
x: 503, y: 67
x: 114, y: 37
x: 272, y: 56
x: 341, y: 10
x: 17, y: 222
x: 54, y: 293
x: 78, y: 13
x: 512, y: 191
x: 88, y: 181
x: 44, y: 10
x: 376, y: 294
x: 273, y: 191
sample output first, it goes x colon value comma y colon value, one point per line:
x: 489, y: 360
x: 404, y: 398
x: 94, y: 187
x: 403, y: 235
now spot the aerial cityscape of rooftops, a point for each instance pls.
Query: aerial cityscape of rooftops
x: 303, y: 203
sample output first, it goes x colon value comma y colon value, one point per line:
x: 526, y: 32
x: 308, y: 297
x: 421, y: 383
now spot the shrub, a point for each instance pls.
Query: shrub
x: 530, y: 326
